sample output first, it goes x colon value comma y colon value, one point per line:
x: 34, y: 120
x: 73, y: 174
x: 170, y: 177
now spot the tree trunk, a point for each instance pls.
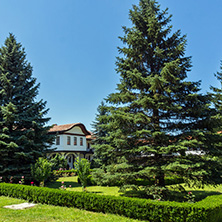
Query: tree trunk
x: 159, y: 179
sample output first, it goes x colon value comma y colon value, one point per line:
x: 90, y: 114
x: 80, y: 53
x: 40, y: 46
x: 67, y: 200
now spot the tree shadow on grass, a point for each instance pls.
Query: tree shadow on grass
x: 200, y: 195
x: 173, y: 195
x: 94, y: 192
x: 133, y: 193
x: 58, y: 184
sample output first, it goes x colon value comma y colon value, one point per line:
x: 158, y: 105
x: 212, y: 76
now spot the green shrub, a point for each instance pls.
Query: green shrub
x: 41, y: 170
x: 90, y: 181
x: 207, y: 210
x: 83, y: 171
x: 106, y: 179
x: 58, y: 161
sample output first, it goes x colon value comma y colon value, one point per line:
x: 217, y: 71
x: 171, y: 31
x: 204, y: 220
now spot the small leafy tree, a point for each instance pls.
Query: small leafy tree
x: 59, y: 161
x: 83, y: 171
x: 41, y: 170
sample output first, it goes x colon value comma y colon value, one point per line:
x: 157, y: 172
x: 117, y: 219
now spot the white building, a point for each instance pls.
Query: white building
x: 72, y: 140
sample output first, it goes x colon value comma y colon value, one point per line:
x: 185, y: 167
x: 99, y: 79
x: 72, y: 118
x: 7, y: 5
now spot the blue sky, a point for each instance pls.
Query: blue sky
x: 72, y: 46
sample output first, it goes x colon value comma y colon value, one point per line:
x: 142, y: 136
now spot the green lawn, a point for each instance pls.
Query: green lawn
x: 50, y: 213
x: 55, y: 213
x: 103, y: 190
x: 203, y: 193
x: 77, y: 187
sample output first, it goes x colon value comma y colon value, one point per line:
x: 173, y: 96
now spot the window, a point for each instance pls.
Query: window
x: 57, y: 140
x: 75, y: 141
x: 68, y: 140
x: 88, y: 145
x: 81, y: 141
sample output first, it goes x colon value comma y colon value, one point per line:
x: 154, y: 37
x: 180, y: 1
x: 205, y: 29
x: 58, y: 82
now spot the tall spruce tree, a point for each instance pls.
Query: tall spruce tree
x: 156, y: 116
x: 102, y: 155
x: 23, y: 134
x: 216, y: 96
x: 216, y: 103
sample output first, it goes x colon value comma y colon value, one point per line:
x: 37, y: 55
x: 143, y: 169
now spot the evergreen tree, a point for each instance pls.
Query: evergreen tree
x: 216, y: 96
x: 216, y: 102
x: 102, y: 154
x: 155, y: 114
x: 23, y: 134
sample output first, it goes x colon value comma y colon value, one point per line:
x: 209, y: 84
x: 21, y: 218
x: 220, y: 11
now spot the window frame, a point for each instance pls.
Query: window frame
x: 57, y: 140
x: 75, y: 141
x: 81, y: 141
x: 68, y: 140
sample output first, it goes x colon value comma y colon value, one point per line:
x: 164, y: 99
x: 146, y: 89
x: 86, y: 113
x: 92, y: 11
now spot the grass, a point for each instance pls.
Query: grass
x: 50, y: 213
x: 102, y: 190
x: 203, y: 193
x: 68, y: 181
x: 42, y: 213
x: 105, y: 190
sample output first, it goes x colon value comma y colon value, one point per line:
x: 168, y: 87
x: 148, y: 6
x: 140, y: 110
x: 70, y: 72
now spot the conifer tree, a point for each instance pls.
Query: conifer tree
x: 102, y: 154
x: 216, y: 96
x: 216, y: 101
x: 23, y: 134
x: 156, y: 115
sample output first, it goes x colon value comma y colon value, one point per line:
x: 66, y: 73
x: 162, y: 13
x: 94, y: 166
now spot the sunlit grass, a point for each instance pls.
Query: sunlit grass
x: 103, y: 190
x: 206, y: 188
x: 42, y: 213
x: 55, y: 213
x: 106, y: 190
x: 201, y: 193
x: 99, y: 190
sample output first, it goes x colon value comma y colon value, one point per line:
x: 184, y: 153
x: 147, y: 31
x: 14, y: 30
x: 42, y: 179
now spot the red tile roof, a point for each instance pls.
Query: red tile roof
x: 62, y: 128
x: 89, y: 137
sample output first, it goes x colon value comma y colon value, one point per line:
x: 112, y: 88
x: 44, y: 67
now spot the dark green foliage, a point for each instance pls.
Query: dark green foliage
x: 102, y: 154
x: 41, y: 170
x: 216, y: 98
x: 190, y: 197
x: 58, y: 162
x: 168, y: 181
x: 90, y: 181
x: 156, y: 115
x: 102, y: 178
x: 82, y: 168
x: 23, y: 134
x: 206, y: 210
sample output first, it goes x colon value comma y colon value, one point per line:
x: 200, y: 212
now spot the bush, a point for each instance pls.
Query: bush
x: 83, y: 171
x: 206, y: 210
x: 41, y: 170
x: 58, y: 161
x: 106, y: 179
x: 90, y: 181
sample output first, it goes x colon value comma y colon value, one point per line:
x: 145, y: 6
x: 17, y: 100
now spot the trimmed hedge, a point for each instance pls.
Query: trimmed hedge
x: 209, y: 209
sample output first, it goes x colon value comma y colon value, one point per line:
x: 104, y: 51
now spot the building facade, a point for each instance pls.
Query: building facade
x: 72, y: 141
